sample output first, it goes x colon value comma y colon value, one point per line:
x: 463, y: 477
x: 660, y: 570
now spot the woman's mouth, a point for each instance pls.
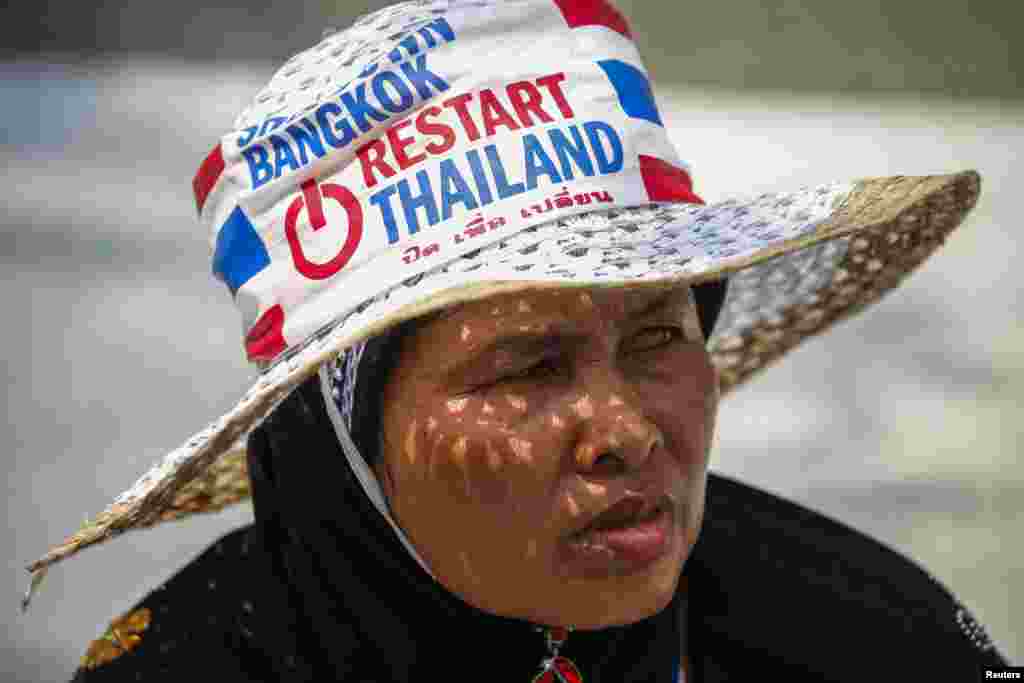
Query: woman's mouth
x: 627, y: 538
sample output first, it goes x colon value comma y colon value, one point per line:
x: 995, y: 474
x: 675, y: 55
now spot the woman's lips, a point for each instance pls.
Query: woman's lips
x: 626, y: 546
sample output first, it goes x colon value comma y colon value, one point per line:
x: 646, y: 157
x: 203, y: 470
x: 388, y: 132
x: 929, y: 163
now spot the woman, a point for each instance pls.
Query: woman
x: 486, y: 300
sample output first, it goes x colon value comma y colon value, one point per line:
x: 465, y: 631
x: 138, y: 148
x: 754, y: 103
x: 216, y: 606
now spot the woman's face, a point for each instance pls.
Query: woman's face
x: 512, y: 424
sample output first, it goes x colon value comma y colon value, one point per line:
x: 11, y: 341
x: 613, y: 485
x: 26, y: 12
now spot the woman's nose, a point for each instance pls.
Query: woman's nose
x: 614, y: 434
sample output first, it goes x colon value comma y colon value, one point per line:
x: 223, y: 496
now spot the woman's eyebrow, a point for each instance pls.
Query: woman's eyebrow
x: 522, y: 343
x: 654, y: 305
x: 668, y: 302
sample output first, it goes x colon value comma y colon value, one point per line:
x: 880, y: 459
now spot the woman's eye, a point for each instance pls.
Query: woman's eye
x: 653, y: 338
x: 544, y: 368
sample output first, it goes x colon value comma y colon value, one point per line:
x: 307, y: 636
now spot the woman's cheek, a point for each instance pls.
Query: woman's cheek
x: 485, y: 453
x: 512, y: 471
x: 686, y: 418
x: 453, y: 458
x: 447, y: 474
x: 488, y: 467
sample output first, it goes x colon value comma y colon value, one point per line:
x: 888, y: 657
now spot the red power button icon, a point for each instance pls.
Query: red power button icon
x: 312, y: 202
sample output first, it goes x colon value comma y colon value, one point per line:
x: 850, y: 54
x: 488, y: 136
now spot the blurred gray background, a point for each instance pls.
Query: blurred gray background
x: 903, y: 422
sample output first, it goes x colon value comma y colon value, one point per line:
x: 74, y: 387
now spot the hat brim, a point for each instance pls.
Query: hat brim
x: 797, y: 263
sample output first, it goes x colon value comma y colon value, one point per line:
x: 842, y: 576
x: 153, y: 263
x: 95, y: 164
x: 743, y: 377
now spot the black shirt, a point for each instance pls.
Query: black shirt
x: 775, y: 592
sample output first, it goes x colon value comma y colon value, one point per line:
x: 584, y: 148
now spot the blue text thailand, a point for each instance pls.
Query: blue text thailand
x: 482, y: 176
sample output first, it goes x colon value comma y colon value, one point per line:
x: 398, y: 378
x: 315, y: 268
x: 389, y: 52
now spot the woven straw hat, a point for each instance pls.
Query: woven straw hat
x: 438, y: 152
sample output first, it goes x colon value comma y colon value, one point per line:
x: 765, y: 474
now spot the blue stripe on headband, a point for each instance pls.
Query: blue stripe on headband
x: 633, y: 88
x: 240, y: 253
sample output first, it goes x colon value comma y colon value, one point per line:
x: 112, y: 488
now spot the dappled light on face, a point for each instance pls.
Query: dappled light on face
x: 448, y: 463
x: 638, y: 429
x: 410, y: 443
x: 572, y: 506
x: 522, y: 448
x: 517, y: 402
x: 437, y: 455
x: 459, y: 449
x: 456, y: 405
x: 584, y: 407
x: 458, y: 454
x: 585, y: 453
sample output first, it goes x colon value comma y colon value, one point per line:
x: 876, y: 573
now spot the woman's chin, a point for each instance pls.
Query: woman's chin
x: 594, y: 602
x: 625, y: 602
x: 622, y: 614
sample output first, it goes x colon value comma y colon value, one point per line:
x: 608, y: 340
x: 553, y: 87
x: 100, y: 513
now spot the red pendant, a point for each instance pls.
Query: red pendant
x: 559, y: 670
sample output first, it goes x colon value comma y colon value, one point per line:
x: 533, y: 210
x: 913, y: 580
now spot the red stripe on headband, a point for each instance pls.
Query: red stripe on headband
x: 207, y: 176
x: 594, y: 13
x: 266, y: 338
x: 665, y: 182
